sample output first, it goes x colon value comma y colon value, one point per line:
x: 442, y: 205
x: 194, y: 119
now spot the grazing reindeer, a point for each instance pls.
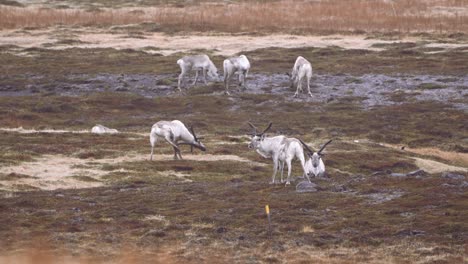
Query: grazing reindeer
x: 292, y: 148
x: 197, y: 63
x: 301, y: 71
x: 314, y: 165
x: 173, y: 132
x: 280, y: 148
x: 241, y: 65
x: 100, y: 129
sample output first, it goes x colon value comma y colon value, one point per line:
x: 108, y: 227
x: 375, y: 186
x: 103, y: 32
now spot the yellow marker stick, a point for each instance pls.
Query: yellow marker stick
x: 267, y: 209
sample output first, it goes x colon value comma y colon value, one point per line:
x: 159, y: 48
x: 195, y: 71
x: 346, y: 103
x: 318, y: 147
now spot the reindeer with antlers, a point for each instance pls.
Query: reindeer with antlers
x: 314, y: 165
x: 173, y: 132
x: 280, y: 148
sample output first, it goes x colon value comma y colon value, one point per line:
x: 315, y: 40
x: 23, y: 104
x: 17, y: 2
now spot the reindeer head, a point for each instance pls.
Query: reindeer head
x: 315, y: 157
x: 257, y: 138
x: 292, y: 79
x: 213, y: 71
x: 197, y: 143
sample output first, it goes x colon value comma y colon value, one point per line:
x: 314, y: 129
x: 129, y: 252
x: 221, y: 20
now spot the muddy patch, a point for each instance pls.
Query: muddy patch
x: 371, y: 89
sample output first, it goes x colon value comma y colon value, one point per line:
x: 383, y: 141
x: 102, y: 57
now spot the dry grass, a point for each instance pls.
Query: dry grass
x: 328, y: 16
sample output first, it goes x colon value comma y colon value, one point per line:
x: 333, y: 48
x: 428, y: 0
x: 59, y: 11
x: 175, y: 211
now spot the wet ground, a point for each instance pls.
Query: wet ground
x: 372, y: 89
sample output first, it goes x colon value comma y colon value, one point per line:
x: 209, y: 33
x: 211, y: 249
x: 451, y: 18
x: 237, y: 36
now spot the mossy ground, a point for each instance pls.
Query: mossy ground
x: 221, y: 207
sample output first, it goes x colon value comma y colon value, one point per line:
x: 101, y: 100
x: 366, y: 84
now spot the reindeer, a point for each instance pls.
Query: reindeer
x: 314, y: 165
x: 292, y: 148
x: 280, y: 148
x: 196, y: 62
x: 301, y: 71
x: 173, y: 132
x: 241, y: 65
x: 100, y: 129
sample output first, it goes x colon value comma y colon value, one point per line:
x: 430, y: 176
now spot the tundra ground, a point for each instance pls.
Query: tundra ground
x: 67, y: 193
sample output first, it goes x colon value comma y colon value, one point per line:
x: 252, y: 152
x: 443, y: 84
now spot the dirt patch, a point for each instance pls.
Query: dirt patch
x: 221, y: 44
x: 52, y: 172
x: 436, y: 167
x: 22, y: 130
x: 456, y: 157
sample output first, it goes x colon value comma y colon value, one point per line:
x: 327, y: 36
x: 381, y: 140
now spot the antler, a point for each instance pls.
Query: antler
x: 193, y: 133
x: 323, y: 147
x: 253, y: 127
x: 269, y: 126
x: 307, y: 147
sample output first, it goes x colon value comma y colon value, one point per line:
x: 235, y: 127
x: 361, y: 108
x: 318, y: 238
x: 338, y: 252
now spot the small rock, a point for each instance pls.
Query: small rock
x: 378, y: 173
x: 221, y: 230
x: 339, y: 188
x: 398, y: 175
x: 305, y: 186
x: 452, y: 176
x: 417, y: 173
x: 408, y: 232
x: 155, y: 233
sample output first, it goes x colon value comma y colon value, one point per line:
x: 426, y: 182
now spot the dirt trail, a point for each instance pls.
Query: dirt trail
x: 457, y: 157
x: 52, y: 172
x: 432, y: 166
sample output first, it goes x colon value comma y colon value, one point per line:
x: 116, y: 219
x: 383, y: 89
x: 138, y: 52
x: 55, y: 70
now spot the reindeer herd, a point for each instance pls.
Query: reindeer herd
x: 301, y: 72
x: 281, y: 149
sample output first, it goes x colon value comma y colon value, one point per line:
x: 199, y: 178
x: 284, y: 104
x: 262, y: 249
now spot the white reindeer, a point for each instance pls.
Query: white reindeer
x: 279, y: 148
x: 198, y: 63
x: 302, y: 71
x: 100, y: 129
x: 314, y: 165
x: 173, y: 132
x: 292, y: 148
x: 241, y: 65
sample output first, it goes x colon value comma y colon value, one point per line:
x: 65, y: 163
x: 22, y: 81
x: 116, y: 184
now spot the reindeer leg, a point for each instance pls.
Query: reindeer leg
x: 204, y: 75
x: 227, y: 76
x: 244, y: 76
x: 180, y: 156
x: 196, y: 77
x: 288, y: 162
x: 168, y: 138
x: 308, y: 87
x: 153, y: 140
x: 282, y: 169
x: 175, y: 153
x: 181, y: 76
x: 297, y: 91
x: 275, y: 169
